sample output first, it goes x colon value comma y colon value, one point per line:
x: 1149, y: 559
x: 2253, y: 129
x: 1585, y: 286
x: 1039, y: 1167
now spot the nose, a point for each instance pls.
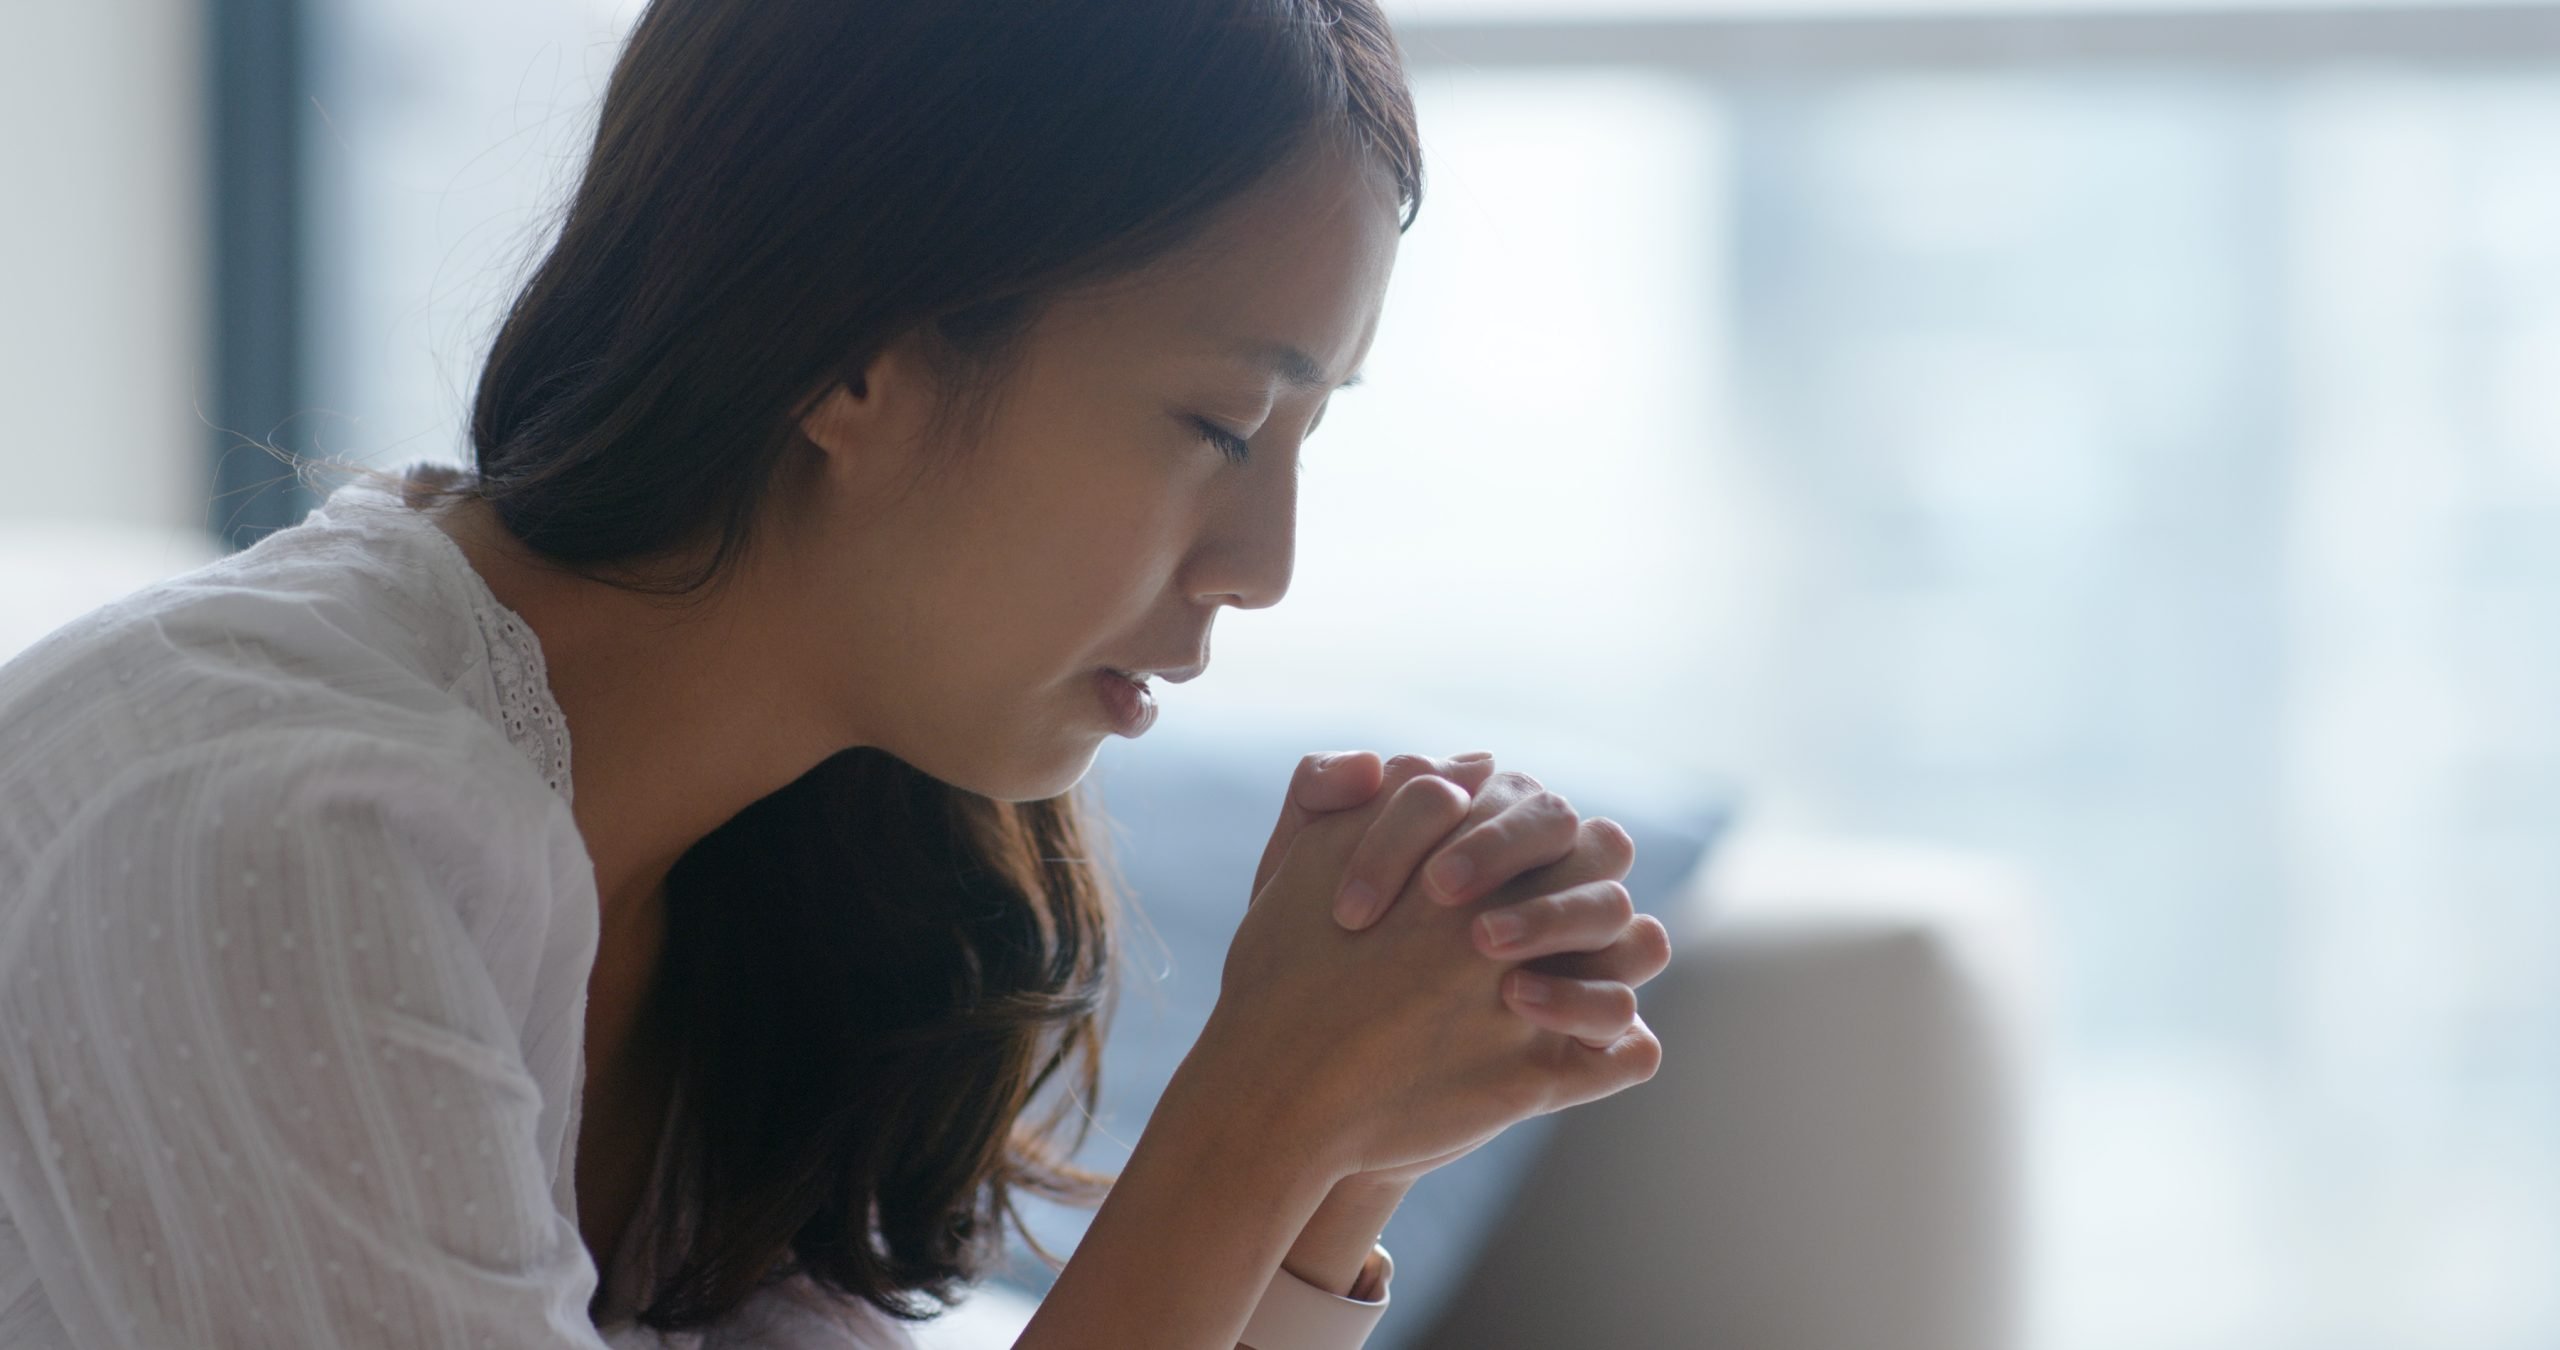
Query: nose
x: 1250, y: 543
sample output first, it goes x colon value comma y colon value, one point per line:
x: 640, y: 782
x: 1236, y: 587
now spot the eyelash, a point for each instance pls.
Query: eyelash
x: 1227, y: 442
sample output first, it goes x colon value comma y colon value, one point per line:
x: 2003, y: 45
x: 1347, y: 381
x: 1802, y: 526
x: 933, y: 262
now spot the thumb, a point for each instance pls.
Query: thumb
x: 1321, y: 785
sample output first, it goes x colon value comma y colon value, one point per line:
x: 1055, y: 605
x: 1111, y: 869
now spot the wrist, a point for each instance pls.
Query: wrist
x: 1377, y: 1191
x: 1224, y: 1076
x: 1208, y: 1195
x: 1335, y: 1251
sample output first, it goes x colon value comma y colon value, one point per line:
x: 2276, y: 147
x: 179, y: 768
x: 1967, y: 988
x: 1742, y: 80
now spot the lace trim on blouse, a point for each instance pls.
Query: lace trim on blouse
x: 533, y: 721
x: 531, y: 717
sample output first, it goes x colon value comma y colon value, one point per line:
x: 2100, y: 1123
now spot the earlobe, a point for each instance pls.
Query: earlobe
x: 834, y: 423
x: 857, y: 410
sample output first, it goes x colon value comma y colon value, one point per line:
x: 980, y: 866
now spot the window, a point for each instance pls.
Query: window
x: 2129, y: 443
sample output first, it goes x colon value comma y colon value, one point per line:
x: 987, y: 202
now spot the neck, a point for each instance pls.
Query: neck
x: 678, y: 720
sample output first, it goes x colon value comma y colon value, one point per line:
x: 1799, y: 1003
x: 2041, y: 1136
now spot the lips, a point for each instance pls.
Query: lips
x: 1169, y: 674
x: 1129, y: 703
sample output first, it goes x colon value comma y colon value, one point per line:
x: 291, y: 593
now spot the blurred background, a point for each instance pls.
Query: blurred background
x: 2114, y: 444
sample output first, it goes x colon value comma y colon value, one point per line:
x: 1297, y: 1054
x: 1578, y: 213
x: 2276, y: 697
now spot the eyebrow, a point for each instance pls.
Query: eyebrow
x: 1292, y: 365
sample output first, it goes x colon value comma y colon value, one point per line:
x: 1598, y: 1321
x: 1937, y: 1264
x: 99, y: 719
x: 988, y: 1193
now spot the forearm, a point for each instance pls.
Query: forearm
x: 1177, y: 1256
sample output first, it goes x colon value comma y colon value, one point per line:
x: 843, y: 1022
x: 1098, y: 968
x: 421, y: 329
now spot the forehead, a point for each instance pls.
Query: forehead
x: 1300, y: 261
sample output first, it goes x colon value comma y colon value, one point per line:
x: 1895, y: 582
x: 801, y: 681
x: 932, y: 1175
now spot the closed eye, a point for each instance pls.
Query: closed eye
x: 1228, y: 443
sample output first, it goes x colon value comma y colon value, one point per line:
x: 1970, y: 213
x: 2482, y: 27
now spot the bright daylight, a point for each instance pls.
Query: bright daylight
x: 2039, y: 519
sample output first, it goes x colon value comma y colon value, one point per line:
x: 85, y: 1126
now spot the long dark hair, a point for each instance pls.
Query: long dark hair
x: 872, y: 974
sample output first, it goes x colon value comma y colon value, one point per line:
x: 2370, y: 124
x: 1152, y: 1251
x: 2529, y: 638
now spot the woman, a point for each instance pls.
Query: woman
x: 910, y: 381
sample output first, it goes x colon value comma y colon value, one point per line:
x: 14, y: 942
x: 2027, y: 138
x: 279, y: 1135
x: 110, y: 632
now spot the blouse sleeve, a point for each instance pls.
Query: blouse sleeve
x: 259, y: 1085
x: 1295, y: 1315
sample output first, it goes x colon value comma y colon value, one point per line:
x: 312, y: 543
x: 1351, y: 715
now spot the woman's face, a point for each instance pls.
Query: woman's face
x: 963, y: 620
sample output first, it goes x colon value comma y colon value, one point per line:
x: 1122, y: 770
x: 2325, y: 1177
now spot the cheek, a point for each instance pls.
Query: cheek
x: 1089, y: 595
x: 1108, y: 544
x: 1063, y: 554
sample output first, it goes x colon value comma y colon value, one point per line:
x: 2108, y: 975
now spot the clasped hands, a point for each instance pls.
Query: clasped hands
x: 1548, y: 885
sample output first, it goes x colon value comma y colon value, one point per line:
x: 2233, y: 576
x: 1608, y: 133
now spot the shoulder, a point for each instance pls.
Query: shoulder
x: 420, y: 851
x: 311, y: 890
x: 346, y: 619
x: 318, y: 788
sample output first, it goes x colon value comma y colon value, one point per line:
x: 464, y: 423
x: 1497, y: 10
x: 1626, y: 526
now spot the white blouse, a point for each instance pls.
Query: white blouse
x: 295, y: 928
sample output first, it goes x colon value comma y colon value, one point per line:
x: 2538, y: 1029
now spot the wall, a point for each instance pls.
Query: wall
x: 101, y: 262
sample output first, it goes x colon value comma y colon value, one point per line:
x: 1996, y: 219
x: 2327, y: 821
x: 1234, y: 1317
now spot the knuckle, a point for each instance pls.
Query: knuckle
x: 1619, y: 906
x: 1306, y: 772
x: 1431, y: 798
x: 1407, y: 765
x: 1646, y: 1057
x: 1419, y: 786
x: 1653, y: 941
x: 1520, y: 783
x: 1616, y: 845
x: 1618, y: 1003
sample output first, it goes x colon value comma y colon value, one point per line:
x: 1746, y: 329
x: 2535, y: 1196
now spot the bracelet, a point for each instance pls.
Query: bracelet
x: 1296, y: 1315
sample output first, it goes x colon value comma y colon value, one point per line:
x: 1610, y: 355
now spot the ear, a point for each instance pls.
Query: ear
x: 879, y: 409
x: 834, y: 423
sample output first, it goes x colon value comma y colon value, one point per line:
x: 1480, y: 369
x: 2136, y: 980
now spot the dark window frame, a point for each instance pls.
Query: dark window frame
x: 257, y: 85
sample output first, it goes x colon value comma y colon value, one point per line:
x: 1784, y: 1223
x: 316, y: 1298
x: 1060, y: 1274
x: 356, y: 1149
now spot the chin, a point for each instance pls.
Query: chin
x: 1025, y: 779
x: 1057, y: 783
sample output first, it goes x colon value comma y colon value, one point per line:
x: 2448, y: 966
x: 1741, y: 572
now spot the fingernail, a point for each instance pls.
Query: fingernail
x: 1329, y: 761
x: 1528, y: 989
x: 1471, y: 756
x: 1500, y: 929
x: 1354, y: 905
x: 1449, y: 872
